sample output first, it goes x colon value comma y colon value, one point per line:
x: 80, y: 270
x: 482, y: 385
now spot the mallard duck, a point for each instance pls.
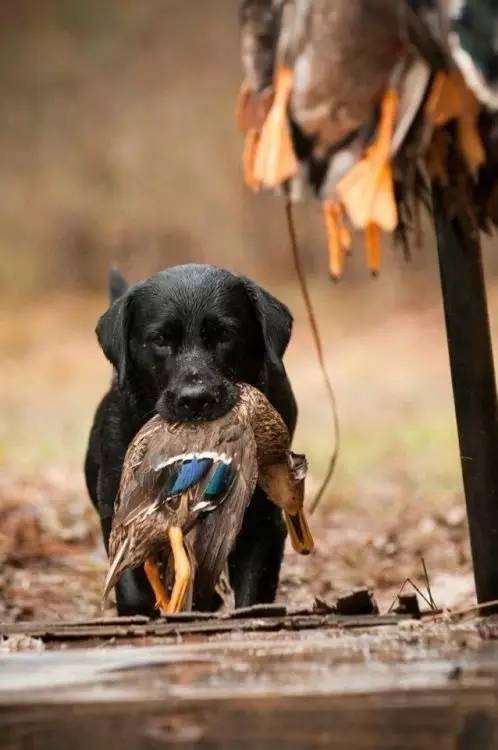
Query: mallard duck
x: 360, y: 92
x: 174, y: 475
x: 333, y: 64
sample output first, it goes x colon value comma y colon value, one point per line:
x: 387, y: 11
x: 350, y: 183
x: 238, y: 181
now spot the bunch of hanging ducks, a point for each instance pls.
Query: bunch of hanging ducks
x: 184, y: 489
x: 366, y: 103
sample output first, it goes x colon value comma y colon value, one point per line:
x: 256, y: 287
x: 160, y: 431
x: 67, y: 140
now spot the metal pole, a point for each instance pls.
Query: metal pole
x: 474, y: 386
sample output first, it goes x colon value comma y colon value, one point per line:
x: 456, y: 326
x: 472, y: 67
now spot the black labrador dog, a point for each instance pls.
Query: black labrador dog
x: 178, y: 342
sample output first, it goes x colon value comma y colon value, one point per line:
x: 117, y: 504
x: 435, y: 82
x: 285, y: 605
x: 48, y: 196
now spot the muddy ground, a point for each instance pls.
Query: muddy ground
x: 396, y: 497
x: 54, y: 563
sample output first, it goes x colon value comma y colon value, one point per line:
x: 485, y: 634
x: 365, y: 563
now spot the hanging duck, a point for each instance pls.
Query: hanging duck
x: 176, y: 475
x: 356, y: 100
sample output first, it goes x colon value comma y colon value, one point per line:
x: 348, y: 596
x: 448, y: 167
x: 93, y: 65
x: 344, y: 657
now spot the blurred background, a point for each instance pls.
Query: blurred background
x: 118, y: 147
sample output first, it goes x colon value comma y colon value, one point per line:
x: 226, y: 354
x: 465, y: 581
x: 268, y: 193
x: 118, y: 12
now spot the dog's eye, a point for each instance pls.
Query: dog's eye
x: 168, y: 335
x: 223, y: 335
x: 159, y: 339
x: 214, y: 332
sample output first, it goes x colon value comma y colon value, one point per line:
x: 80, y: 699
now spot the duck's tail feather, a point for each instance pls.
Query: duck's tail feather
x: 113, y: 574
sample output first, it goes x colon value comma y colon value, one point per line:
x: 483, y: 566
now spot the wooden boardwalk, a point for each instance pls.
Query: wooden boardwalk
x: 309, y: 681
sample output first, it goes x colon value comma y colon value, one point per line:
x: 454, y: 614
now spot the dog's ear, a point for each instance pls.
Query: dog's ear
x: 112, y: 334
x: 274, y: 319
x: 275, y: 322
x: 117, y: 284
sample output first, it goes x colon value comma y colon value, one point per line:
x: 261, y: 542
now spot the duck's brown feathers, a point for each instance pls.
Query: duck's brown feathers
x: 249, y: 439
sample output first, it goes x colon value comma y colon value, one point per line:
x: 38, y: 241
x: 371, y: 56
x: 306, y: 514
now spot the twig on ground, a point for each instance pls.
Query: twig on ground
x: 428, y: 586
x: 419, y: 592
x: 463, y: 611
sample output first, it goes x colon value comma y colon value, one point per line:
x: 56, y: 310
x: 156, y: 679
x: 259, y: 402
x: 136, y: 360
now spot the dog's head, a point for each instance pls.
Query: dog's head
x: 182, y: 339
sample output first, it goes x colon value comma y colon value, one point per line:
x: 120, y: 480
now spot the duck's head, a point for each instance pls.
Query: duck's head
x: 283, y: 482
x: 284, y: 485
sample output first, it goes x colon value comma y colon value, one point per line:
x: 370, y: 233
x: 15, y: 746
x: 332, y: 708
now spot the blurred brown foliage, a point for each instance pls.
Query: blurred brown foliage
x: 118, y: 142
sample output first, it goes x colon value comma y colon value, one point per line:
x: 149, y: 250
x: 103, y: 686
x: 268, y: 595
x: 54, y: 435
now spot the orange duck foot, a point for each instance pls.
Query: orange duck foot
x: 373, y: 248
x: 183, y: 572
x: 451, y: 99
x: 251, y: 144
x: 367, y: 190
x: 444, y: 102
x: 251, y: 112
x: 275, y: 160
x: 338, y: 237
x: 155, y: 580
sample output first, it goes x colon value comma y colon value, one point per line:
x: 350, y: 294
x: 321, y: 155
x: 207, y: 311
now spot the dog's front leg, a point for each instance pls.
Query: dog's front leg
x: 254, y: 564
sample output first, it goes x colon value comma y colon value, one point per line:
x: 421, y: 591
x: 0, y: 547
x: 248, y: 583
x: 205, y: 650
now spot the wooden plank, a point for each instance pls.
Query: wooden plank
x: 312, y: 692
x: 171, y: 626
x: 445, y: 721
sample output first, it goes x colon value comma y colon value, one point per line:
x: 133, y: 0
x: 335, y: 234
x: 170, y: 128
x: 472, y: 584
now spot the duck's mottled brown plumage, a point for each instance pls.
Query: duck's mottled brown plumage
x: 342, y: 54
x: 259, y: 23
x: 252, y: 439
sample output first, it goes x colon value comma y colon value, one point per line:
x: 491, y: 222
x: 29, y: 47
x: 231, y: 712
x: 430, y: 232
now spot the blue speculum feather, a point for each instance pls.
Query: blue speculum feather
x: 220, y: 481
x: 189, y: 473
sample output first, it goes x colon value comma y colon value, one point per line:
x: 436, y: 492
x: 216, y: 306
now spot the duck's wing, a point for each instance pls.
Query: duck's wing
x: 167, y: 462
x: 133, y: 490
x: 215, y: 534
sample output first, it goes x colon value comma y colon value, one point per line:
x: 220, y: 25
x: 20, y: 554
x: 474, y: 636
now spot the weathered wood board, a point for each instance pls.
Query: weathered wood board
x: 269, y: 620
x: 398, y: 686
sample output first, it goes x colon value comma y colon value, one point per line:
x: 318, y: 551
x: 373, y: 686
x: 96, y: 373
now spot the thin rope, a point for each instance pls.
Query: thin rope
x: 319, y: 352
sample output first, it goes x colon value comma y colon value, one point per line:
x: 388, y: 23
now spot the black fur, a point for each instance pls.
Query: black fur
x: 178, y: 342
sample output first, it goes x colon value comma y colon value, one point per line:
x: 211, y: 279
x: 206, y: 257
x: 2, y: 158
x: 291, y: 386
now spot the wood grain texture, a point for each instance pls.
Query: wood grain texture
x: 321, y: 681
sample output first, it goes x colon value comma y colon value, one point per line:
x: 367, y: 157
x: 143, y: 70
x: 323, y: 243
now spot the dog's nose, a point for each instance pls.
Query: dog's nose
x: 195, y: 402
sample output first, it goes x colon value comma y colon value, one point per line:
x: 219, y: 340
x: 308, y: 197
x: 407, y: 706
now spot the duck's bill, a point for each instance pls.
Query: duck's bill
x: 299, y: 532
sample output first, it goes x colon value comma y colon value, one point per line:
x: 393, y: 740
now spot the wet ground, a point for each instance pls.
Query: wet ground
x: 396, y: 497
x: 54, y: 563
x: 396, y: 500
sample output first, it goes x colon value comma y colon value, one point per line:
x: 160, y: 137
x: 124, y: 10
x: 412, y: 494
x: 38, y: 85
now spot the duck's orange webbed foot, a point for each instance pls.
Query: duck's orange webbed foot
x: 275, y: 160
x: 373, y: 248
x: 251, y: 143
x: 367, y: 190
x: 251, y: 111
x: 338, y: 237
x: 156, y: 583
x: 183, y: 571
x: 451, y: 99
x: 299, y: 532
x: 444, y: 102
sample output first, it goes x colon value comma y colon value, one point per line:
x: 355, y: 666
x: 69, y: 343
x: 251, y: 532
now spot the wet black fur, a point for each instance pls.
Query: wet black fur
x: 178, y: 342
